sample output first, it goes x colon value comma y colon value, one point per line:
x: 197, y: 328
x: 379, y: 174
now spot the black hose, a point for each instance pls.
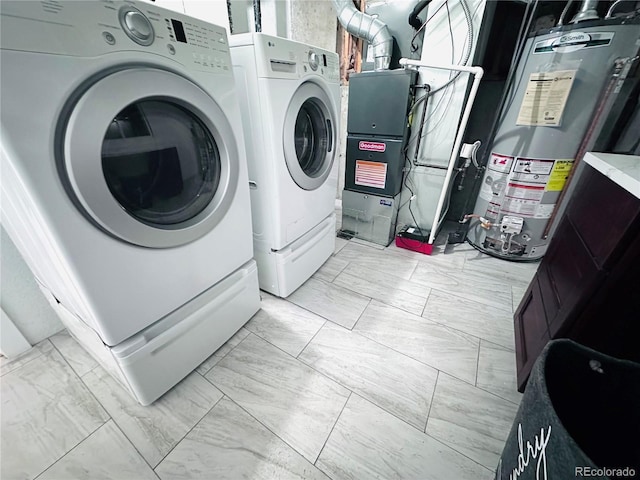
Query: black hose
x: 427, y: 89
x: 414, y: 21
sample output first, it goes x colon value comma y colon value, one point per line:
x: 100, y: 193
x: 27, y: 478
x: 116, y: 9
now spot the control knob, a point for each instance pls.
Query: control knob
x: 313, y: 60
x: 137, y: 27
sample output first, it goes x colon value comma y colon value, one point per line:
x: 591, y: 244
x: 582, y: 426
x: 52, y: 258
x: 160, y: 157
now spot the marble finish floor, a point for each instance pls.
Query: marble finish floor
x: 386, y: 364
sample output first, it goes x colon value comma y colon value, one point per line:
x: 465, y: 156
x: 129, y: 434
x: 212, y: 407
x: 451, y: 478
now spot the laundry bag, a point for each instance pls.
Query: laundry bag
x: 579, y: 417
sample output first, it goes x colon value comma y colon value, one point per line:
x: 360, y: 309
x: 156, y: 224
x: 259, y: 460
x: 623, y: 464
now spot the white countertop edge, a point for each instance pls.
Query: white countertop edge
x: 622, y: 169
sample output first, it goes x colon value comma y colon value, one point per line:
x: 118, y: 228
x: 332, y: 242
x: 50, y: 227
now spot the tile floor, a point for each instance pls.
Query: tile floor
x: 386, y: 364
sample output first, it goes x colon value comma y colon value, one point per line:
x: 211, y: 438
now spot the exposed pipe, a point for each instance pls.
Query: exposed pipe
x: 564, y: 13
x: 257, y: 15
x: 371, y: 29
x: 612, y: 8
x: 230, y: 17
x: 427, y: 90
x: 477, y: 73
x: 587, y: 12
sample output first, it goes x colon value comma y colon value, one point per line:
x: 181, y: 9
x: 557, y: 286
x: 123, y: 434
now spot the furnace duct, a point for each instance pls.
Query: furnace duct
x: 371, y: 29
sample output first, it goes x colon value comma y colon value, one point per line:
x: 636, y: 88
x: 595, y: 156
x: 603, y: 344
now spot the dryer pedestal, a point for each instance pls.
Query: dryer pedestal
x: 153, y: 361
x: 283, y: 271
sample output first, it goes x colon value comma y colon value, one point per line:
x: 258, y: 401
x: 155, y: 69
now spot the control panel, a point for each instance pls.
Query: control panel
x: 283, y: 58
x: 511, y: 225
x: 99, y: 27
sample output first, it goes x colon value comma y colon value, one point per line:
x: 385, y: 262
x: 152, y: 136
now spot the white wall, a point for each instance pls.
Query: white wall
x: 443, y: 109
x: 274, y: 17
x: 21, y: 298
x: 313, y: 22
x: 12, y: 342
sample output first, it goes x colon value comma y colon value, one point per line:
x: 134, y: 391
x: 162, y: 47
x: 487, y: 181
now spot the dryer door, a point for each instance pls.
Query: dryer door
x: 149, y: 157
x: 310, y: 136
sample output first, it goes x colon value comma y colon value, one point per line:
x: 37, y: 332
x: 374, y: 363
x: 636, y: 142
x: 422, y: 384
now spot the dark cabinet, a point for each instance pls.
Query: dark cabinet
x: 530, y: 329
x: 567, y: 277
x: 587, y: 287
x: 603, y: 214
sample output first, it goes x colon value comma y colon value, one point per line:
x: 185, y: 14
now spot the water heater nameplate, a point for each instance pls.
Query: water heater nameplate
x: 573, y: 41
x: 545, y: 99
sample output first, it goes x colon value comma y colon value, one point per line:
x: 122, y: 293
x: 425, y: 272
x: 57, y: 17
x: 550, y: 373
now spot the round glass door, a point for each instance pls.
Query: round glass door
x: 148, y: 157
x: 309, y: 133
x: 311, y: 138
x: 160, y: 162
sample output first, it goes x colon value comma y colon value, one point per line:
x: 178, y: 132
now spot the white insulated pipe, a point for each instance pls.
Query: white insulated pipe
x: 477, y: 73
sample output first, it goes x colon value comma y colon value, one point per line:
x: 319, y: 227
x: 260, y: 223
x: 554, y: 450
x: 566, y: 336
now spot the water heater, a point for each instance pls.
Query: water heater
x: 549, y: 108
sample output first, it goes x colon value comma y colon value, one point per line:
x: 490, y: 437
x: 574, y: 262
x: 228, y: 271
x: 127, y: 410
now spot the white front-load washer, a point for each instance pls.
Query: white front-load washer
x: 290, y: 102
x: 124, y: 181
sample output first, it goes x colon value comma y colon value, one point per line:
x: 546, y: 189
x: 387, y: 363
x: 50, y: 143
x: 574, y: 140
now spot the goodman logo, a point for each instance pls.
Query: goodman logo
x: 372, y: 146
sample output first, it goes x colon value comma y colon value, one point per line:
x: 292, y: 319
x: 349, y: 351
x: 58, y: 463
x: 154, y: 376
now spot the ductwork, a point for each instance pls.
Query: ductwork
x: 587, y: 11
x: 371, y: 29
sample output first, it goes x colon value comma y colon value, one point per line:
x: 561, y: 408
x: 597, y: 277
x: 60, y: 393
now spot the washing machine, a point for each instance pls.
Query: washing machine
x: 290, y: 109
x: 124, y: 181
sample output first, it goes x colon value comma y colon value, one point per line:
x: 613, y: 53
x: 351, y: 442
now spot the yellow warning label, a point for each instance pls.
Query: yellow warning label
x: 559, y: 175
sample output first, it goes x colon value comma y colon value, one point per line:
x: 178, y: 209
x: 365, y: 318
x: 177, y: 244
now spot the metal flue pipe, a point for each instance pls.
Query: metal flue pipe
x: 587, y: 11
x: 371, y: 29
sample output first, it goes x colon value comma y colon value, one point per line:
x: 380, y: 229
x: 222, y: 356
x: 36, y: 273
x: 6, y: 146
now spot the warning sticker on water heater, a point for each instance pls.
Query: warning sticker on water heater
x: 500, y: 163
x: 519, y: 206
x: 522, y: 198
x: 559, y: 175
x: 495, y: 181
x: 533, y: 166
x: 525, y: 191
x: 371, y: 174
x: 493, y: 187
x: 546, y: 97
x: 493, y: 209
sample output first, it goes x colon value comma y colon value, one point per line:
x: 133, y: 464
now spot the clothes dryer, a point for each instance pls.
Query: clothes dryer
x: 290, y: 109
x: 124, y: 181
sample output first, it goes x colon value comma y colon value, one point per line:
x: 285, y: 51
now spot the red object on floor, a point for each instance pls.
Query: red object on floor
x: 414, y: 245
